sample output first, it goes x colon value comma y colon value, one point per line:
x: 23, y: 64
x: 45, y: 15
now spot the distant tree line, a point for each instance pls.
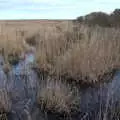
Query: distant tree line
x: 101, y: 19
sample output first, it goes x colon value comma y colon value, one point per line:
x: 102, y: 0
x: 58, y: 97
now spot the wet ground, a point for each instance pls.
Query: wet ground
x: 22, y: 85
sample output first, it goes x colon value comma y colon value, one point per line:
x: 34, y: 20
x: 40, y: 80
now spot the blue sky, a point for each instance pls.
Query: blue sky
x: 53, y: 9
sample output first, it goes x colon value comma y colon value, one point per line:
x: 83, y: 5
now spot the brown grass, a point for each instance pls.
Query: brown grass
x: 86, y: 54
x: 63, y: 49
x: 96, y: 54
x: 11, y: 47
x: 54, y: 41
x: 56, y: 96
x: 17, y: 36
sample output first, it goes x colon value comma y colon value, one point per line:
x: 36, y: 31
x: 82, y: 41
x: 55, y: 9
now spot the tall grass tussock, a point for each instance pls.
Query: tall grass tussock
x: 55, y: 96
x: 86, y: 54
x: 11, y: 47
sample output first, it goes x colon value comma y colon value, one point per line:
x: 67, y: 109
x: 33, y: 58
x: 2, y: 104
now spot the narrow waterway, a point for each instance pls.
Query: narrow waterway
x: 22, y: 85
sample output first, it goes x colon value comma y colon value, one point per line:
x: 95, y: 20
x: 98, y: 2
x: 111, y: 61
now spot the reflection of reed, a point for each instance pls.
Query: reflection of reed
x: 5, y: 103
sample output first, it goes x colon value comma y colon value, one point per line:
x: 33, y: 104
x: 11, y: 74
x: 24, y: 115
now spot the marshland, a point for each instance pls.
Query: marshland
x: 60, y: 69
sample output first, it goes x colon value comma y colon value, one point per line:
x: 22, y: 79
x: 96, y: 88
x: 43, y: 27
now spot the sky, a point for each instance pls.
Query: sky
x: 53, y: 9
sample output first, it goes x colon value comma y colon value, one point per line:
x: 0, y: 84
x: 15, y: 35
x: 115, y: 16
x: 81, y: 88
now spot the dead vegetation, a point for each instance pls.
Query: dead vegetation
x: 11, y: 48
x: 65, y: 51
x: 55, y: 96
x: 85, y: 55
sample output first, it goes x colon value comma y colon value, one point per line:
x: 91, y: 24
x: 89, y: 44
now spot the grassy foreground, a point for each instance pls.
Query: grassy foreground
x: 64, y: 51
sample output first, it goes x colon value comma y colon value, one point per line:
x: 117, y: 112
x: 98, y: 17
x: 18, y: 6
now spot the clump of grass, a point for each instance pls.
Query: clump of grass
x: 11, y: 48
x: 6, y: 68
x: 58, y: 97
x: 32, y: 40
x: 53, y: 43
x: 86, y: 54
x: 91, y: 58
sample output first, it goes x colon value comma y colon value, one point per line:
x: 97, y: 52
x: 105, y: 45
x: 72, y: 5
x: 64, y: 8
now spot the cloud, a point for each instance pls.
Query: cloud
x: 50, y: 2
